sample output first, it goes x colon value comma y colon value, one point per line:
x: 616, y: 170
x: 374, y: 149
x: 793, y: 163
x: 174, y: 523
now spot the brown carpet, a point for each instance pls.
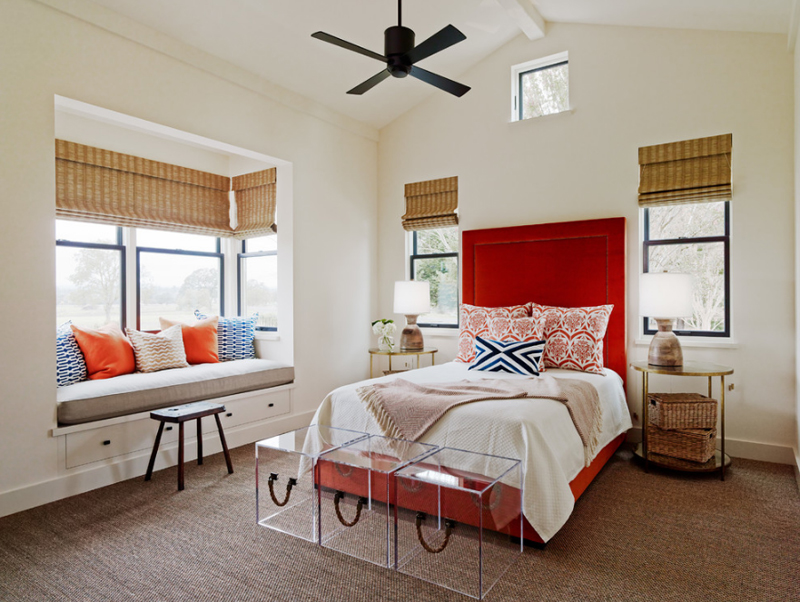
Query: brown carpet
x: 633, y: 536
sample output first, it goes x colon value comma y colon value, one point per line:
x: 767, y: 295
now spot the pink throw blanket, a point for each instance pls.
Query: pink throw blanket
x: 408, y: 410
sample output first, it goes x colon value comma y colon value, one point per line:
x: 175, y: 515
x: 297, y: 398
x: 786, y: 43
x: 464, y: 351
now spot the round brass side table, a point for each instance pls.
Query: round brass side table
x: 375, y: 351
x: 705, y: 369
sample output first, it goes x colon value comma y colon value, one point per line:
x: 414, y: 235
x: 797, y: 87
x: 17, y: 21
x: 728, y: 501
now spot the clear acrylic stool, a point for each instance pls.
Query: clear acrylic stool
x: 357, y: 488
x: 458, y: 515
x: 286, y: 497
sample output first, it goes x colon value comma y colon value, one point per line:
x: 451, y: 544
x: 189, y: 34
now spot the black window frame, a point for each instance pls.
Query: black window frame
x: 414, y: 256
x: 723, y: 238
x: 119, y: 247
x: 164, y: 251
x: 520, y: 88
x: 240, y: 257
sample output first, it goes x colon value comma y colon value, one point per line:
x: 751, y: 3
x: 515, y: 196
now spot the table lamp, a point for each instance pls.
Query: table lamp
x: 411, y: 298
x: 664, y: 297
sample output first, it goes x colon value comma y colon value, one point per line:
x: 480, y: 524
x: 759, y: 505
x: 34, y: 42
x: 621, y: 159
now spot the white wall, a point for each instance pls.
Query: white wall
x: 797, y: 247
x: 629, y: 87
x: 44, y: 53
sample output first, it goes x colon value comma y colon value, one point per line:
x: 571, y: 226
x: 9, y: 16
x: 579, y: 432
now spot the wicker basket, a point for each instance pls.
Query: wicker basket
x: 682, y: 411
x: 697, y: 445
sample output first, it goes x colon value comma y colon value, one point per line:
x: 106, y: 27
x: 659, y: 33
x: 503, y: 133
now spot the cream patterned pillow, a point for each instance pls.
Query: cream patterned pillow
x: 160, y: 351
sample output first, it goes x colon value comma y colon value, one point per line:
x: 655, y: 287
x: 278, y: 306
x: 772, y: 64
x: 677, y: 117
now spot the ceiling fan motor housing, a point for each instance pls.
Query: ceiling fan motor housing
x: 399, y: 41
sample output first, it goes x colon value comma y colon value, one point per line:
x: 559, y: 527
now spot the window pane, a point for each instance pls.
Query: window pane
x: 706, y: 262
x: 88, y: 286
x: 260, y: 289
x: 173, y: 286
x: 175, y: 240
x: 262, y: 243
x: 86, y: 232
x: 439, y: 240
x: 545, y: 91
x: 442, y: 274
x: 687, y: 221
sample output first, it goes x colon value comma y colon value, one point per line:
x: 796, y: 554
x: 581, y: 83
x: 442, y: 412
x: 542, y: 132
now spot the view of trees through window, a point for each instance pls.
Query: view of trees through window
x: 176, y: 274
x: 435, y: 260
x: 544, y: 91
x: 693, y: 239
x: 258, y: 270
x: 89, y: 283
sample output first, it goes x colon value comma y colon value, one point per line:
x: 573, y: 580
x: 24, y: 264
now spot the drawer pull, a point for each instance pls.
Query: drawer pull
x: 229, y: 414
x: 271, y: 405
x: 169, y: 428
x: 107, y: 442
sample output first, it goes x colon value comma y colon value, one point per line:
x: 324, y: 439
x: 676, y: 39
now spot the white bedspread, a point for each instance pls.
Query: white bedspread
x: 540, y: 432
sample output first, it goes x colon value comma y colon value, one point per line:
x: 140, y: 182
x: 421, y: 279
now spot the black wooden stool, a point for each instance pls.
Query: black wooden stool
x: 181, y: 414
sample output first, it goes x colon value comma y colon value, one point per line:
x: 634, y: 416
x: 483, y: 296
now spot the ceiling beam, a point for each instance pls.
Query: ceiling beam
x: 526, y: 17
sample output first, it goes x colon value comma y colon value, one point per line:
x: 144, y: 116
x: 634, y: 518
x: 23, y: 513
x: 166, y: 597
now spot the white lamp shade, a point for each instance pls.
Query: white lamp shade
x: 665, y: 295
x: 412, y: 298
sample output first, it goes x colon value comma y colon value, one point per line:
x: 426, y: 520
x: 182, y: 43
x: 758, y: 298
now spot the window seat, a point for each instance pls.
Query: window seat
x: 92, y: 400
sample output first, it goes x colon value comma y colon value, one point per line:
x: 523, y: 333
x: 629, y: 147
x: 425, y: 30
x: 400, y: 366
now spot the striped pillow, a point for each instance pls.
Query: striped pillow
x: 512, y: 357
x: 70, y: 365
x: 160, y: 351
x: 234, y: 337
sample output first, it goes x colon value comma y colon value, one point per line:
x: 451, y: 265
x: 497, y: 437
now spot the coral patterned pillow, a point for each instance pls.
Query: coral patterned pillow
x: 474, y: 321
x: 518, y: 329
x: 574, y: 336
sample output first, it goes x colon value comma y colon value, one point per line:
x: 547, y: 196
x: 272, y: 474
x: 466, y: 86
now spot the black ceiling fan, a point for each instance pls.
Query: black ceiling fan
x: 401, y: 55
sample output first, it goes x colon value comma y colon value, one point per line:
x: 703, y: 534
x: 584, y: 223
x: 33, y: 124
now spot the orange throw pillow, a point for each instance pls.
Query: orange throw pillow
x: 107, y: 352
x: 199, y: 339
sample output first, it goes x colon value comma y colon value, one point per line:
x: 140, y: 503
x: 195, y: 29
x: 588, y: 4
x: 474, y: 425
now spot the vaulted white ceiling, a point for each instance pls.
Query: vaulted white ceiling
x: 272, y: 38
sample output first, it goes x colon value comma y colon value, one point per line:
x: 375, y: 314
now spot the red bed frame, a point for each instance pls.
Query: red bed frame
x: 568, y: 264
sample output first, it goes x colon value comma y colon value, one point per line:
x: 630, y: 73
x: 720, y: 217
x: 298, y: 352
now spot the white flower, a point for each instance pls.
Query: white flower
x: 384, y: 329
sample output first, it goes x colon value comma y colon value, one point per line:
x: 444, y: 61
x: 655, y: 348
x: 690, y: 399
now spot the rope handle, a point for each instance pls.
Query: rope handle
x: 449, y: 525
x: 361, y: 501
x: 273, y: 476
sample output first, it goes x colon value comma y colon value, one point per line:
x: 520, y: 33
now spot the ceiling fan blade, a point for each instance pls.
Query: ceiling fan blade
x: 448, y: 85
x: 370, y: 83
x: 326, y: 37
x: 436, y: 43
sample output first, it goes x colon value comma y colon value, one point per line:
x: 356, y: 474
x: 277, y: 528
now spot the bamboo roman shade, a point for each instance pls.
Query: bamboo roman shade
x: 97, y: 185
x: 692, y: 171
x: 431, y: 204
x: 255, y: 203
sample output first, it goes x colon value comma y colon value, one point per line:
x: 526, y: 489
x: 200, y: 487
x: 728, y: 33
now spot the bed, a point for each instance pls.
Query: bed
x: 568, y: 264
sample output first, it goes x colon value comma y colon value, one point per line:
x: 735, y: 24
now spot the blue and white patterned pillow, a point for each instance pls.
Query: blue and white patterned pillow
x: 234, y: 337
x: 513, y: 357
x: 70, y: 364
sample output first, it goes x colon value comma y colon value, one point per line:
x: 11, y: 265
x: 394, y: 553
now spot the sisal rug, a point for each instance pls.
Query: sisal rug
x: 656, y: 537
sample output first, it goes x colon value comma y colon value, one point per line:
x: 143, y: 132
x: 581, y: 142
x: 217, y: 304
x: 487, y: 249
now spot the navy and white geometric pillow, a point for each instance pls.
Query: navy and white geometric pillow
x: 512, y: 357
x: 234, y: 337
x: 70, y: 364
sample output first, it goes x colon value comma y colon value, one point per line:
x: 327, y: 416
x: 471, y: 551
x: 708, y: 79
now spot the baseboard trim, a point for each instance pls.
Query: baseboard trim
x: 750, y: 450
x: 83, y: 479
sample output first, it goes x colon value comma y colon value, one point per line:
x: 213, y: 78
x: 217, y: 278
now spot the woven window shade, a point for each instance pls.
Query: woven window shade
x: 431, y: 204
x: 102, y: 186
x: 692, y: 171
x: 255, y: 203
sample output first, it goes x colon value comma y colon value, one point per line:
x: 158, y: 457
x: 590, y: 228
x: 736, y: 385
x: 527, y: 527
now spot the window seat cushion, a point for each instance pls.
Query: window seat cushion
x: 141, y: 392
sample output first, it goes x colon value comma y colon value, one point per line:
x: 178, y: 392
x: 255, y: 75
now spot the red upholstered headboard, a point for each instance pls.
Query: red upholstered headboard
x: 568, y: 264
